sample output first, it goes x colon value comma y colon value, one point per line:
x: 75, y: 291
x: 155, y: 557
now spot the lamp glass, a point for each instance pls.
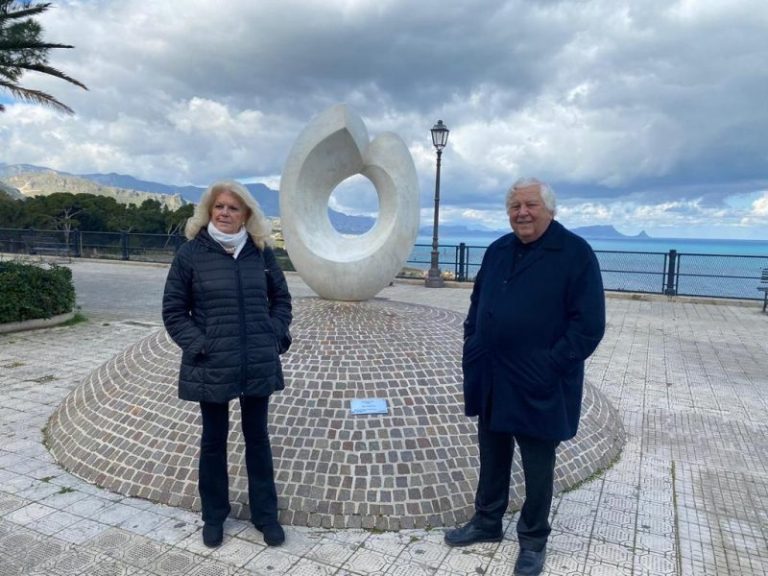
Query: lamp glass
x: 440, y: 135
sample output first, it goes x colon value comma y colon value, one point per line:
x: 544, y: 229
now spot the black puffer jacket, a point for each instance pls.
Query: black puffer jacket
x: 229, y: 317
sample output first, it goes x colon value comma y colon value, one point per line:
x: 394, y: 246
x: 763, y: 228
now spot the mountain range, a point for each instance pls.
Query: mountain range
x: 23, y: 180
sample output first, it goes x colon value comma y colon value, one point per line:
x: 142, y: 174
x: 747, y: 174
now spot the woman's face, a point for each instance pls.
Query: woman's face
x: 228, y: 213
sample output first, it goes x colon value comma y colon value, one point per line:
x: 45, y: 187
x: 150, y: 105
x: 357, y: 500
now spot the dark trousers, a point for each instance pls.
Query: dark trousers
x: 492, y: 498
x: 213, y: 482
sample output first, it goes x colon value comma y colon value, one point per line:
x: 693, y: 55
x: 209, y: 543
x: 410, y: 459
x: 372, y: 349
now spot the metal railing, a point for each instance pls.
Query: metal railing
x: 671, y: 273
x: 83, y: 244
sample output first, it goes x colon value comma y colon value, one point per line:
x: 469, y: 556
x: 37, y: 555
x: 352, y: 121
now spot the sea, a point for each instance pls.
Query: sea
x: 701, y: 267
x: 632, y: 244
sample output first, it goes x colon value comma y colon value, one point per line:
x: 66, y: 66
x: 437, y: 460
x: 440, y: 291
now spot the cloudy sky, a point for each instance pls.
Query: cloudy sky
x: 645, y: 114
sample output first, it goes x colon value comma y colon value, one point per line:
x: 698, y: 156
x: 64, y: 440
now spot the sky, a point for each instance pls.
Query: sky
x: 648, y: 115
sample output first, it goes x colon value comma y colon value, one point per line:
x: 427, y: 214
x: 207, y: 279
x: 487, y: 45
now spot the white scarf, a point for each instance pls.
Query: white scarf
x: 232, y: 243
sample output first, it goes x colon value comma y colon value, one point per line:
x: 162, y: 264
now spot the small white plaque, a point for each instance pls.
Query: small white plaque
x: 369, y: 406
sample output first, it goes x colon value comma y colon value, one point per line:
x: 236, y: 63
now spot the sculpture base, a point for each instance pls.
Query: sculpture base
x: 416, y: 466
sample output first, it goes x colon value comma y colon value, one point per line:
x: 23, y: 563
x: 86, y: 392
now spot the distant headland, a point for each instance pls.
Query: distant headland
x: 606, y: 232
x: 595, y: 232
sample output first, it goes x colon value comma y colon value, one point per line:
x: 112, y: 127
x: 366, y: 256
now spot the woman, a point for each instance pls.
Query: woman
x: 226, y: 304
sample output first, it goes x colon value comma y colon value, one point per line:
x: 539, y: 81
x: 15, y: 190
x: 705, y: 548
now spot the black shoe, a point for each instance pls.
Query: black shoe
x: 273, y: 534
x: 530, y: 562
x: 471, y: 534
x: 213, y: 535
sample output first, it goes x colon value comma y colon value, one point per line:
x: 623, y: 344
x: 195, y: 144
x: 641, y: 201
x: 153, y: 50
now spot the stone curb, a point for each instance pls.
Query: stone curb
x: 36, y: 323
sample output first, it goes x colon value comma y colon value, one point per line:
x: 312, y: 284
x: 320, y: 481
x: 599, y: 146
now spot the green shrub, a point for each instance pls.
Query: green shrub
x: 28, y: 291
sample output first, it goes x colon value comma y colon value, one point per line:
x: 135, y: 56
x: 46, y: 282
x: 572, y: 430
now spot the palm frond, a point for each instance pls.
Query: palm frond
x: 51, y: 71
x: 24, y: 12
x: 35, y: 96
x: 26, y: 45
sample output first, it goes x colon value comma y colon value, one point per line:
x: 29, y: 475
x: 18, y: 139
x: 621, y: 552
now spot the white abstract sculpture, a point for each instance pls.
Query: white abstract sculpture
x: 333, y: 147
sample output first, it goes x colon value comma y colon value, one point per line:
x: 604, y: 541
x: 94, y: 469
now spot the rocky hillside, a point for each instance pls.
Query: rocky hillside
x: 46, y: 182
x: 10, y: 191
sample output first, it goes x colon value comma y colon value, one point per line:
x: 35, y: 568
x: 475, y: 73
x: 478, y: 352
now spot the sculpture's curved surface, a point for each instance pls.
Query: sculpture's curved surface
x: 125, y: 429
x: 332, y: 148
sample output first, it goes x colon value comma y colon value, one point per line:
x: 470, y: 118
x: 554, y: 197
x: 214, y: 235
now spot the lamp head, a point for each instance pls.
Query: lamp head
x: 439, y: 135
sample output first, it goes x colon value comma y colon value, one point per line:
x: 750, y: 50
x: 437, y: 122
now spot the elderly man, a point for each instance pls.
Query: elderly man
x: 537, y: 311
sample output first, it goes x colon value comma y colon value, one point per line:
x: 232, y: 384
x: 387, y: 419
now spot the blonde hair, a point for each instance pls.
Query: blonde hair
x: 257, y: 225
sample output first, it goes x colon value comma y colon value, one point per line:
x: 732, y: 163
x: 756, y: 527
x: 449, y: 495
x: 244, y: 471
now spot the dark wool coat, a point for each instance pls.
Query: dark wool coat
x: 528, y: 331
x: 227, y: 320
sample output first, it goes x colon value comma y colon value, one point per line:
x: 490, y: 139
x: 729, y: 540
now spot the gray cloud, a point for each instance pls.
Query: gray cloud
x: 624, y: 106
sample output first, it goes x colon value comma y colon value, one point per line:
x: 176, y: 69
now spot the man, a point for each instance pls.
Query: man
x: 537, y: 311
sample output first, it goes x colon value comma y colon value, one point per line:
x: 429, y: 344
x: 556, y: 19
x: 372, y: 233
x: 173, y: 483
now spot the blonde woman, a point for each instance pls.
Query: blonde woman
x: 226, y: 304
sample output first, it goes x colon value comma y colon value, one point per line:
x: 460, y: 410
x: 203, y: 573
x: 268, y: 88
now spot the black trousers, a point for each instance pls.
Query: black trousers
x: 213, y: 482
x: 492, y: 498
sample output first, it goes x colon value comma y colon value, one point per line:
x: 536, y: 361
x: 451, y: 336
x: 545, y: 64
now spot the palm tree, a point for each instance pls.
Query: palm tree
x: 22, y: 49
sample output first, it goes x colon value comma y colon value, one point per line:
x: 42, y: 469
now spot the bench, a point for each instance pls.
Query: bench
x: 764, y: 289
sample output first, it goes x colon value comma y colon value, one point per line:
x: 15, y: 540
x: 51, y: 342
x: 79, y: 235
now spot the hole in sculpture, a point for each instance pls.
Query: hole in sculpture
x: 353, y: 206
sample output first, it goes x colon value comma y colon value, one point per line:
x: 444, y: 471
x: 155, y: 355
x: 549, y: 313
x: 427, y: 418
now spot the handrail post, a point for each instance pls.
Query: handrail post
x: 462, y: 251
x: 671, y: 283
x: 77, y: 243
x: 124, y: 244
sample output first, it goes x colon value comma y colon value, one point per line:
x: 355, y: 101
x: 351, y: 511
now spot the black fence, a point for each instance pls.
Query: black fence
x: 80, y: 244
x: 671, y: 273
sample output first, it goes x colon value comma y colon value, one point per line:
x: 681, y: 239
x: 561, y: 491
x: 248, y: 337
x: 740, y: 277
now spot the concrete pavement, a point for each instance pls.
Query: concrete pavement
x: 688, y: 495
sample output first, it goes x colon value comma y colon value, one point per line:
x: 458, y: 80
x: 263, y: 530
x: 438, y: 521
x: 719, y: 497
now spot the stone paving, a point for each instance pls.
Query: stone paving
x: 687, y: 496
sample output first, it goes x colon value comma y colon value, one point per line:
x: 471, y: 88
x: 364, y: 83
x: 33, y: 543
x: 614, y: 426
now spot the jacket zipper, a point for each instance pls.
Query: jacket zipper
x: 243, y: 339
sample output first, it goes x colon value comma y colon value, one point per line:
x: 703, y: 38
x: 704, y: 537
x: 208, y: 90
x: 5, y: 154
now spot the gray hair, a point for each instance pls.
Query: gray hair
x: 547, y: 194
x: 257, y: 225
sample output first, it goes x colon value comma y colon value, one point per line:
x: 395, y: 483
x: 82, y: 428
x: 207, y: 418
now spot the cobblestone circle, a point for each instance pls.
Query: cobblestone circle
x: 123, y: 428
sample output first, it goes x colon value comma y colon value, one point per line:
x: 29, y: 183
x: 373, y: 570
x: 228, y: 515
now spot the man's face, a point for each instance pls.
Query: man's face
x: 528, y: 215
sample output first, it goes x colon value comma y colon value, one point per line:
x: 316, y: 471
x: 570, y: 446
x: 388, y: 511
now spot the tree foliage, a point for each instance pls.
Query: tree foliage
x: 88, y: 212
x: 22, y: 50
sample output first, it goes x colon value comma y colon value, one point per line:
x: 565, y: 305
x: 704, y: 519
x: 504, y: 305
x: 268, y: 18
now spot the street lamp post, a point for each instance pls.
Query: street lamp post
x: 439, y: 140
